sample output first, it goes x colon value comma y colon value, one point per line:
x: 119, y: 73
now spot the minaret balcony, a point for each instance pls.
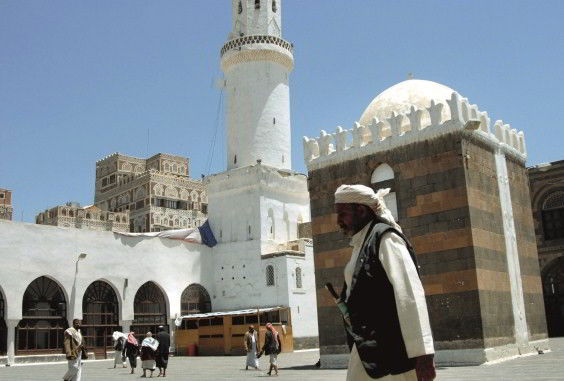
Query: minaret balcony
x: 256, y: 39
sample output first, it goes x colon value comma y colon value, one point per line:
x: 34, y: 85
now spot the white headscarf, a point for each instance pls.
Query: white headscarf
x: 361, y: 194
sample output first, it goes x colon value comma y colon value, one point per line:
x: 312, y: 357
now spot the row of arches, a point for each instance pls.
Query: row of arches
x: 44, y: 314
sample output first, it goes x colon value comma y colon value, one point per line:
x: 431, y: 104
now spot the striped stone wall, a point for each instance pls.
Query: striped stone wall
x: 448, y: 205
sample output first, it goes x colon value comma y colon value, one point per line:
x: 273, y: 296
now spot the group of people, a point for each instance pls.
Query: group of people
x: 272, y: 347
x: 153, y: 352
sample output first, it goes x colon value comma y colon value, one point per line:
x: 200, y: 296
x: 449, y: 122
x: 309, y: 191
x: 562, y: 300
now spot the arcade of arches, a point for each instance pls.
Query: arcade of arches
x: 44, y: 314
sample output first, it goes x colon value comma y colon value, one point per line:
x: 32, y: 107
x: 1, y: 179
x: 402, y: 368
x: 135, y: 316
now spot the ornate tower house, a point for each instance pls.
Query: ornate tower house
x: 256, y: 63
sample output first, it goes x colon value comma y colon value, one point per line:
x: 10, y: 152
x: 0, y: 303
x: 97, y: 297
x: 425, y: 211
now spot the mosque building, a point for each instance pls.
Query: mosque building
x: 460, y: 191
x: 258, y: 211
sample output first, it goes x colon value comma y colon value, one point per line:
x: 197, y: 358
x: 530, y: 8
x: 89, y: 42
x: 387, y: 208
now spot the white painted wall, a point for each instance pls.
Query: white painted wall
x: 256, y: 21
x: 258, y: 114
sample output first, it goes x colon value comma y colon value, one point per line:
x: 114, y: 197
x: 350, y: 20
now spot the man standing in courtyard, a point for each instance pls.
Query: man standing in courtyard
x: 74, y: 351
x: 396, y: 342
x: 162, y: 351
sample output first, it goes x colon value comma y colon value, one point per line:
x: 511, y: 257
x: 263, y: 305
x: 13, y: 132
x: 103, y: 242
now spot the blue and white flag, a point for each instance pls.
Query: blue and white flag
x: 201, y: 235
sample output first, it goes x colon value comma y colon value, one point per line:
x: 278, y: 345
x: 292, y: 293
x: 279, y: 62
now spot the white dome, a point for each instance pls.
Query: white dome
x: 400, y: 98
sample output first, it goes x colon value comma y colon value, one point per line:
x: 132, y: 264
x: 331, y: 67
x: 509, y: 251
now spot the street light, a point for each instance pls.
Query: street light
x: 81, y: 256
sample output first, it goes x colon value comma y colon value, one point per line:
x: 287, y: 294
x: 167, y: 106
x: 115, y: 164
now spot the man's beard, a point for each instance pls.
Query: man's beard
x: 356, y: 226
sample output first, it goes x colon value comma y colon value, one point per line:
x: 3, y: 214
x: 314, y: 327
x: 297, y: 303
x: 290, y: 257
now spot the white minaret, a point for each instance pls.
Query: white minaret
x: 256, y: 63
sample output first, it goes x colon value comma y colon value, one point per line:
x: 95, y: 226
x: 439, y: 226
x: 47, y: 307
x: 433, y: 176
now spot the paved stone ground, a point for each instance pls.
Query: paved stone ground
x: 296, y: 367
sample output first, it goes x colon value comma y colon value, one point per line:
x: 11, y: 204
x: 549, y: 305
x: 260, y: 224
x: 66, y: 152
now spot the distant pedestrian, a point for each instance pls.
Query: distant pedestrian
x: 74, y: 351
x: 131, y: 350
x: 272, y: 347
x: 162, y: 351
x: 119, y: 343
x: 148, y: 350
x: 251, y: 344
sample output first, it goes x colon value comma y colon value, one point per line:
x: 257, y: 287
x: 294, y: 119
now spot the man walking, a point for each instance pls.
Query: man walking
x: 162, y: 351
x: 74, y: 351
x: 250, y: 343
x: 272, y: 347
x: 396, y: 343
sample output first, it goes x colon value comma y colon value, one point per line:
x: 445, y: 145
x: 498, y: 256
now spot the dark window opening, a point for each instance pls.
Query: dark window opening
x: 274, y: 7
x: 553, y: 223
x: 240, y: 8
x: 257, y: 4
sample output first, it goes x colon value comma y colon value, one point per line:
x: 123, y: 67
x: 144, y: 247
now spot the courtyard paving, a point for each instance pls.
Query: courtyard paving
x: 296, y: 367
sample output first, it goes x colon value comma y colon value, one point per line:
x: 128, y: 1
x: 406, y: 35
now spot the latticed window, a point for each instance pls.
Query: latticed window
x: 269, y: 275
x: 195, y: 299
x: 298, y: 277
x: 44, y: 310
x: 100, y: 314
x: 149, y: 310
x: 553, y: 216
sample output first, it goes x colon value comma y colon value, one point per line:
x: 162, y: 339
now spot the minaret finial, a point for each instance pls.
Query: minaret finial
x: 410, y: 75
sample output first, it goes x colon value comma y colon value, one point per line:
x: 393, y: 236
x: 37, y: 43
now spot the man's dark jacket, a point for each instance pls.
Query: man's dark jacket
x: 372, y: 310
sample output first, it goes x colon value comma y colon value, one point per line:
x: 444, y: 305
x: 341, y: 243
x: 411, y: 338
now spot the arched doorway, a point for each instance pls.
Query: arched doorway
x: 553, y: 290
x: 3, y: 332
x: 149, y: 310
x: 43, y: 321
x: 195, y: 299
x: 100, y: 315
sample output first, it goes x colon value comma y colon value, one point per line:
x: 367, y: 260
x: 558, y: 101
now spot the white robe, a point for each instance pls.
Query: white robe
x: 252, y: 359
x: 74, y: 372
x: 410, y: 301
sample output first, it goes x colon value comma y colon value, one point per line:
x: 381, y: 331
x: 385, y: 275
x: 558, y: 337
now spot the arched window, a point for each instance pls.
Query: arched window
x: 240, y: 8
x: 274, y: 6
x: 71, y: 213
x: 64, y: 212
x: 149, y: 310
x: 100, y: 314
x: 44, y: 311
x: 553, y: 216
x: 383, y: 177
x: 257, y: 4
x: 298, y: 277
x: 195, y: 299
x: 269, y: 275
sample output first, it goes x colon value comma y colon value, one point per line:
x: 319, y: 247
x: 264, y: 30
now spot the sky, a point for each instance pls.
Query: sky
x: 80, y: 80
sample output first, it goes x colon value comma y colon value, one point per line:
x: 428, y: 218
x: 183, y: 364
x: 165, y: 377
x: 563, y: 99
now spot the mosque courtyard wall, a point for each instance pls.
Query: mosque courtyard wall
x: 31, y: 251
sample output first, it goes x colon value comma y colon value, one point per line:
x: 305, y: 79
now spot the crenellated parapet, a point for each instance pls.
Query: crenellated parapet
x: 406, y: 128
